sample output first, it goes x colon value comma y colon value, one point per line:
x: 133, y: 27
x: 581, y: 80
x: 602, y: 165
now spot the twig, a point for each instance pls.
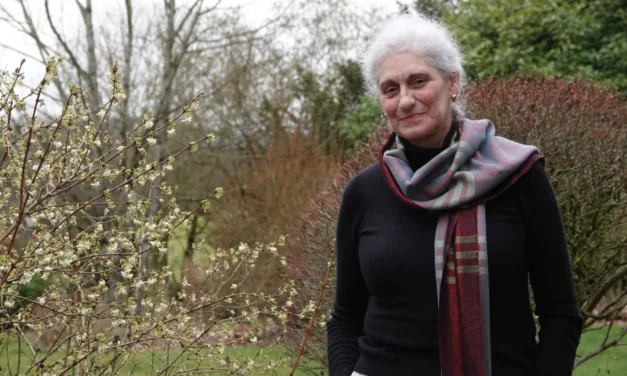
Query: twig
x: 601, y: 348
x: 23, y: 197
x: 32, y: 350
x: 313, y: 316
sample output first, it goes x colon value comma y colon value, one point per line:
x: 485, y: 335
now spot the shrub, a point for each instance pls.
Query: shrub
x: 581, y: 130
x: 265, y: 198
x: 582, y: 133
x: 78, y: 226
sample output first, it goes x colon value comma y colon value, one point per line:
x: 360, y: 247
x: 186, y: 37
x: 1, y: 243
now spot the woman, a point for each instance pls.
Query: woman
x: 437, y: 240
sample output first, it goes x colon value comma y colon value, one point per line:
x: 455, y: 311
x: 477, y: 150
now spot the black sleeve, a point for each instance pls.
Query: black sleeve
x: 346, y: 323
x: 550, y: 275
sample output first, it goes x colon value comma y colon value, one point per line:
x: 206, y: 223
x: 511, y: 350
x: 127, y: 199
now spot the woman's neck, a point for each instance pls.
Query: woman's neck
x: 418, y: 156
x: 436, y: 140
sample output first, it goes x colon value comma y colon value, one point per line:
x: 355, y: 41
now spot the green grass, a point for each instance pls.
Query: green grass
x: 145, y: 363
x: 178, y: 243
x: 612, y: 362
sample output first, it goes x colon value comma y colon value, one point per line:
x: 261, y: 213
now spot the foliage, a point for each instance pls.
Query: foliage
x: 79, y: 319
x: 355, y: 127
x: 262, y: 203
x: 307, y: 141
x: 586, y: 39
x: 430, y: 8
x: 324, y: 104
x: 580, y: 130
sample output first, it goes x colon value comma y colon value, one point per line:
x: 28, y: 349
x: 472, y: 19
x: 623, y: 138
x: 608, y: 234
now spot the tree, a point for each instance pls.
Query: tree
x: 559, y: 38
x: 180, y: 35
x: 430, y: 8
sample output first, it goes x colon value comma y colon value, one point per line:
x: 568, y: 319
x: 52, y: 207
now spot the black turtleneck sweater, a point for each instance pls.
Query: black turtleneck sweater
x: 384, y: 317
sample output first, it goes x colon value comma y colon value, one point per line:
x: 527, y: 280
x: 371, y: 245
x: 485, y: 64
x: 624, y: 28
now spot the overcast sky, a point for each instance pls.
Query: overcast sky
x: 19, y: 45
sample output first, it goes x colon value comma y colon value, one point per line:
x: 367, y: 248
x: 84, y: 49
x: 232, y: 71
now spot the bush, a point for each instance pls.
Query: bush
x: 582, y: 133
x: 77, y: 231
x: 263, y: 200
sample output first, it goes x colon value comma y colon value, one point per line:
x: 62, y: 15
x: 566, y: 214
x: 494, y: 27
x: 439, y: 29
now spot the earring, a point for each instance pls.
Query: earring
x: 454, y: 97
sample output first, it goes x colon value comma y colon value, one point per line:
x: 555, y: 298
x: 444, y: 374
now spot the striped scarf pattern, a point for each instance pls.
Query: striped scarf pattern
x: 475, y: 167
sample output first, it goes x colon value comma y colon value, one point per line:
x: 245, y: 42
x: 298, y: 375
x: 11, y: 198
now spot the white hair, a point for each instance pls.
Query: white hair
x: 421, y: 35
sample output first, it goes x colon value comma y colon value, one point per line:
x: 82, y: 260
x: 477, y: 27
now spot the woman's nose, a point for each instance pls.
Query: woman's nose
x: 407, y: 100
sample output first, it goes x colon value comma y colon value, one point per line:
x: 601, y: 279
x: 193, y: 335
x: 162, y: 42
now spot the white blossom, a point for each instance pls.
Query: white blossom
x: 126, y: 275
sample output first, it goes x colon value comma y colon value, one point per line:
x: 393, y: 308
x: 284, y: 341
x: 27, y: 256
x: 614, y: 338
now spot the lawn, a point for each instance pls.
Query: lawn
x: 146, y: 363
x: 612, y: 362
x: 178, y: 243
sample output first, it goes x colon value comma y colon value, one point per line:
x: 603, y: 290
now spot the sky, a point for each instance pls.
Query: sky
x: 14, y: 45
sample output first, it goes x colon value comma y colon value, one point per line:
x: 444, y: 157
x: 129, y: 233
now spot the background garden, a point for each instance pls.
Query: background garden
x: 170, y: 171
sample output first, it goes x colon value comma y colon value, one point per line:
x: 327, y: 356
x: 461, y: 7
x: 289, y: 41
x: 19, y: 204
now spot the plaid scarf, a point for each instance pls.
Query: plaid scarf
x: 474, y: 168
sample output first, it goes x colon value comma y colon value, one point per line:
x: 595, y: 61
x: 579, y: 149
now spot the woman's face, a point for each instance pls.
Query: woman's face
x: 416, y: 98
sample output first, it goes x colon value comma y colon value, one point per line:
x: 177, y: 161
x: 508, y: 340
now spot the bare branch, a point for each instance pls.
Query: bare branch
x: 60, y: 39
x: 31, y: 30
x: 601, y: 348
x: 604, y: 286
x: 186, y: 17
x: 21, y: 52
x: 128, y: 58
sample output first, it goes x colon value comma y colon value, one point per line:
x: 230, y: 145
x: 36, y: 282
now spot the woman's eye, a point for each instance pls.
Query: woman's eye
x: 419, y: 81
x: 389, y: 90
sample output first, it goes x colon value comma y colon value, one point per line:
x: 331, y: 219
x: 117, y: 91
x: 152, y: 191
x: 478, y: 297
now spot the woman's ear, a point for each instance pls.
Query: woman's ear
x: 455, y: 83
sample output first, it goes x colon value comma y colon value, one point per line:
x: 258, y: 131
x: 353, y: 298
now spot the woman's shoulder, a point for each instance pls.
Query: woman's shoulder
x: 368, y: 177
x: 536, y: 174
x: 535, y: 185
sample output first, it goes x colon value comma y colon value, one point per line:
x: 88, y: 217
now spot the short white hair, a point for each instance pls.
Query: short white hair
x: 421, y: 35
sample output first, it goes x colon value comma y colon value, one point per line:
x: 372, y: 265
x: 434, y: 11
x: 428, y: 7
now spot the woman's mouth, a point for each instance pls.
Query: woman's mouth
x: 411, y: 117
